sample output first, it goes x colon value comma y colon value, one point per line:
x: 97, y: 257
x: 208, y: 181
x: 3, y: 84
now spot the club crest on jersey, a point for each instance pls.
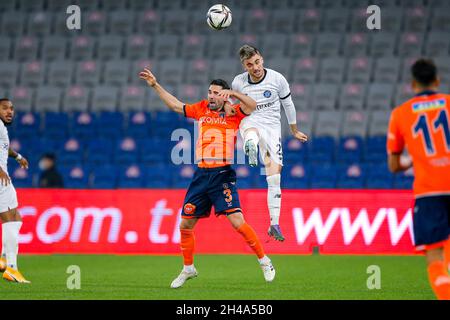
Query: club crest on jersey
x: 267, y: 94
x: 428, y: 105
x: 189, y: 208
x: 5, y: 146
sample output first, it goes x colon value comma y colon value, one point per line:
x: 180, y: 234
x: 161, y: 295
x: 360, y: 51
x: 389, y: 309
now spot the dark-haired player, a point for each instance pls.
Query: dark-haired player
x: 422, y: 126
x: 9, y: 216
x: 214, y: 182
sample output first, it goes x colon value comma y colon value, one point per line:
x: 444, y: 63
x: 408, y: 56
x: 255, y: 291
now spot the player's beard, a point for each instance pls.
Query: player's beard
x: 7, y: 124
x: 216, y: 107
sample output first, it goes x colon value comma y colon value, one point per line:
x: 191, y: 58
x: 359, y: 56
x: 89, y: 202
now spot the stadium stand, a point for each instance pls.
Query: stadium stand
x: 77, y: 92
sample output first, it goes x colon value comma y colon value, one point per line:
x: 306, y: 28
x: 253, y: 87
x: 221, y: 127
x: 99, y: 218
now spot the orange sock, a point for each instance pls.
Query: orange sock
x: 439, y: 280
x: 252, y: 239
x: 447, y: 254
x: 187, y: 246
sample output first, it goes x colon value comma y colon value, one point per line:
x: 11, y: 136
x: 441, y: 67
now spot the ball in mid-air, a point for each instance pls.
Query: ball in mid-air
x: 219, y: 17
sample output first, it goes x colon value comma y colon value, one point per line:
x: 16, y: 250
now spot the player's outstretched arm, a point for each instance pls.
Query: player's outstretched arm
x: 248, y: 105
x: 173, y: 103
x: 297, y: 133
x: 19, y: 158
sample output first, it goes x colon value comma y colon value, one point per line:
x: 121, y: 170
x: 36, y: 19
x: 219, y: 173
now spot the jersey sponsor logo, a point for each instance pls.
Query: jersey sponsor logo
x: 267, y: 94
x: 211, y: 120
x: 189, y: 208
x: 429, y: 105
x: 264, y: 106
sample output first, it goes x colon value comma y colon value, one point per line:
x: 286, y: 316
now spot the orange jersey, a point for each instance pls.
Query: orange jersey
x: 217, y: 134
x: 422, y: 126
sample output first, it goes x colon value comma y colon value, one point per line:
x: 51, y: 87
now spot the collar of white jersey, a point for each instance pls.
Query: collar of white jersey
x: 262, y: 79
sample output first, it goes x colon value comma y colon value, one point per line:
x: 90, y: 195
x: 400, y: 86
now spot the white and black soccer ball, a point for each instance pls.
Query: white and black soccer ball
x: 219, y: 17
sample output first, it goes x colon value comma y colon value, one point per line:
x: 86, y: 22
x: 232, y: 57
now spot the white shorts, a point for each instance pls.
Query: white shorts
x: 8, y: 198
x: 269, y: 140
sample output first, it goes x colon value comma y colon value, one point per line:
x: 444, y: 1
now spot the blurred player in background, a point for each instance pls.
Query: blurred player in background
x: 214, y: 183
x: 422, y: 126
x: 10, y: 217
x: 270, y: 90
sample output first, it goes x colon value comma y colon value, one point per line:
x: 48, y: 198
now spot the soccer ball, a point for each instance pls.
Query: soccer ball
x: 219, y: 17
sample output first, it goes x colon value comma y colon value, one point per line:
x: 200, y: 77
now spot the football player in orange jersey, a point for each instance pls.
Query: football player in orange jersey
x: 214, y: 182
x: 422, y: 126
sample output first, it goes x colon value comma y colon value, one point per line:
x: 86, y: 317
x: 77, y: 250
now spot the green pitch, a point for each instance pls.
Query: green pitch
x: 220, y: 277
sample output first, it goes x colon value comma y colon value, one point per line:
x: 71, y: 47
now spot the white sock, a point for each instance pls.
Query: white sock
x: 274, y: 198
x: 264, y: 260
x: 251, y: 135
x: 190, y: 268
x: 10, y: 235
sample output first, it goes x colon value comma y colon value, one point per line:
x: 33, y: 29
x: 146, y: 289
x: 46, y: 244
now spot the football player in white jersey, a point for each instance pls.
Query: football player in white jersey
x: 263, y: 127
x: 9, y: 216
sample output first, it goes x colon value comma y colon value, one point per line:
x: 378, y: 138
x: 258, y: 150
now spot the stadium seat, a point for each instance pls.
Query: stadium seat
x: 171, y: 71
x: 23, y: 98
x: 416, y: 18
x: 356, y: 44
x: 121, y: 22
x: 387, y: 70
x: 72, y: 152
x: 301, y: 95
x: 48, y: 98
x: 375, y: 149
x: 280, y: 64
x: 335, y: 18
x: 351, y: 177
x: 126, y: 151
x: 5, y: 48
x: 139, y: 5
x: 83, y: 125
x: 308, y: 21
x: 352, y: 97
x: 110, y: 125
x: 189, y: 93
x: 110, y: 47
x: 354, y: 124
x: 193, y: 46
x: 295, y: 177
x: 294, y: 151
x: 8, y: 5
x: 133, y: 98
x: 440, y: 20
x: 76, y: 98
x: 327, y: 123
x: 10, y: 73
x: 26, y: 48
x: 305, y: 70
x: 300, y: 45
x: 115, y: 72
x: 305, y: 120
x: 274, y: 45
x: 166, y: 47
x: 226, y: 69
x: 324, y: 96
x: 437, y: 44
x: 328, y: 44
x: 410, y: 44
x: 104, y: 177
x: 94, y: 23
x: 13, y: 23
x: 321, y: 149
x: 28, y: 124
x: 148, y: 21
x: 137, y: 47
x: 323, y: 176
x: 244, y: 177
x: 39, y: 23
x: 350, y: 149
x: 75, y: 177
x: 256, y: 20
x: 197, y: 72
x: 379, y: 96
x: 104, y: 98
x: 220, y: 46
x: 182, y: 176
x: 174, y: 22
x: 81, y: 48
x: 113, y: 5
x: 383, y: 44
x: 332, y: 70
x: 60, y: 73
x: 56, y: 125
x: 282, y: 20
x: 22, y: 178
x: 403, y: 93
x: 99, y: 151
x: 32, y: 74
x: 359, y: 70
x: 247, y: 38
x: 131, y: 177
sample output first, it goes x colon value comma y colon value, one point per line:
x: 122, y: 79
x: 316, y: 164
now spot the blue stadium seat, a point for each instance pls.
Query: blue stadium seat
x: 182, y: 175
x: 156, y: 176
x: 99, y: 151
x: 27, y: 125
x: 72, y: 152
x: 152, y: 153
x: 56, y: 125
x: 104, y: 177
x: 404, y: 180
x: 379, y: 177
x: 324, y: 176
x: 75, y: 177
x: 139, y: 125
x: 351, y: 177
x: 295, y: 177
x: 126, y: 151
x: 375, y: 149
x: 350, y: 149
x: 294, y: 151
x: 83, y: 125
x: 22, y: 178
x: 244, y: 177
x: 110, y: 124
x: 322, y: 149
x: 131, y: 177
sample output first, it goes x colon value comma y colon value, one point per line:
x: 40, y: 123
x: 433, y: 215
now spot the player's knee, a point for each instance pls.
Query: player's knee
x: 187, y: 224
x: 434, y: 255
x: 236, y: 219
x: 274, y: 181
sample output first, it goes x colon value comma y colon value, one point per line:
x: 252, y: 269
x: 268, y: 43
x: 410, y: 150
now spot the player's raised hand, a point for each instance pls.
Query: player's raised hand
x: 4, y: 178
x: 300, y: 136
x: 148, y: 76
x: 225, y: 94
x: 23, y: 163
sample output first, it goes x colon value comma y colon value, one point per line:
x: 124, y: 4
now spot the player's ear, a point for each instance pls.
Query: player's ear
x: 437, y: 82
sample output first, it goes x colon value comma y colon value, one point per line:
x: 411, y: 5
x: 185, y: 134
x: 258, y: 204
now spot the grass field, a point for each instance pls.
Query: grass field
x: 220, y: 277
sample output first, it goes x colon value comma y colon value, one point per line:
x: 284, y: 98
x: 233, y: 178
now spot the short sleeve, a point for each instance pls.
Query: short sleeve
x: 395, y: 139
x: 239, y: 113
x: 192, y: 110
x: 283, y: 91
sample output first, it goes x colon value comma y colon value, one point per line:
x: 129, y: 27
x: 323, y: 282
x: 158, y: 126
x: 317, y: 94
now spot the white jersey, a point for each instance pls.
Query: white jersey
x: 268, y: 93
x: 4, y: 147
